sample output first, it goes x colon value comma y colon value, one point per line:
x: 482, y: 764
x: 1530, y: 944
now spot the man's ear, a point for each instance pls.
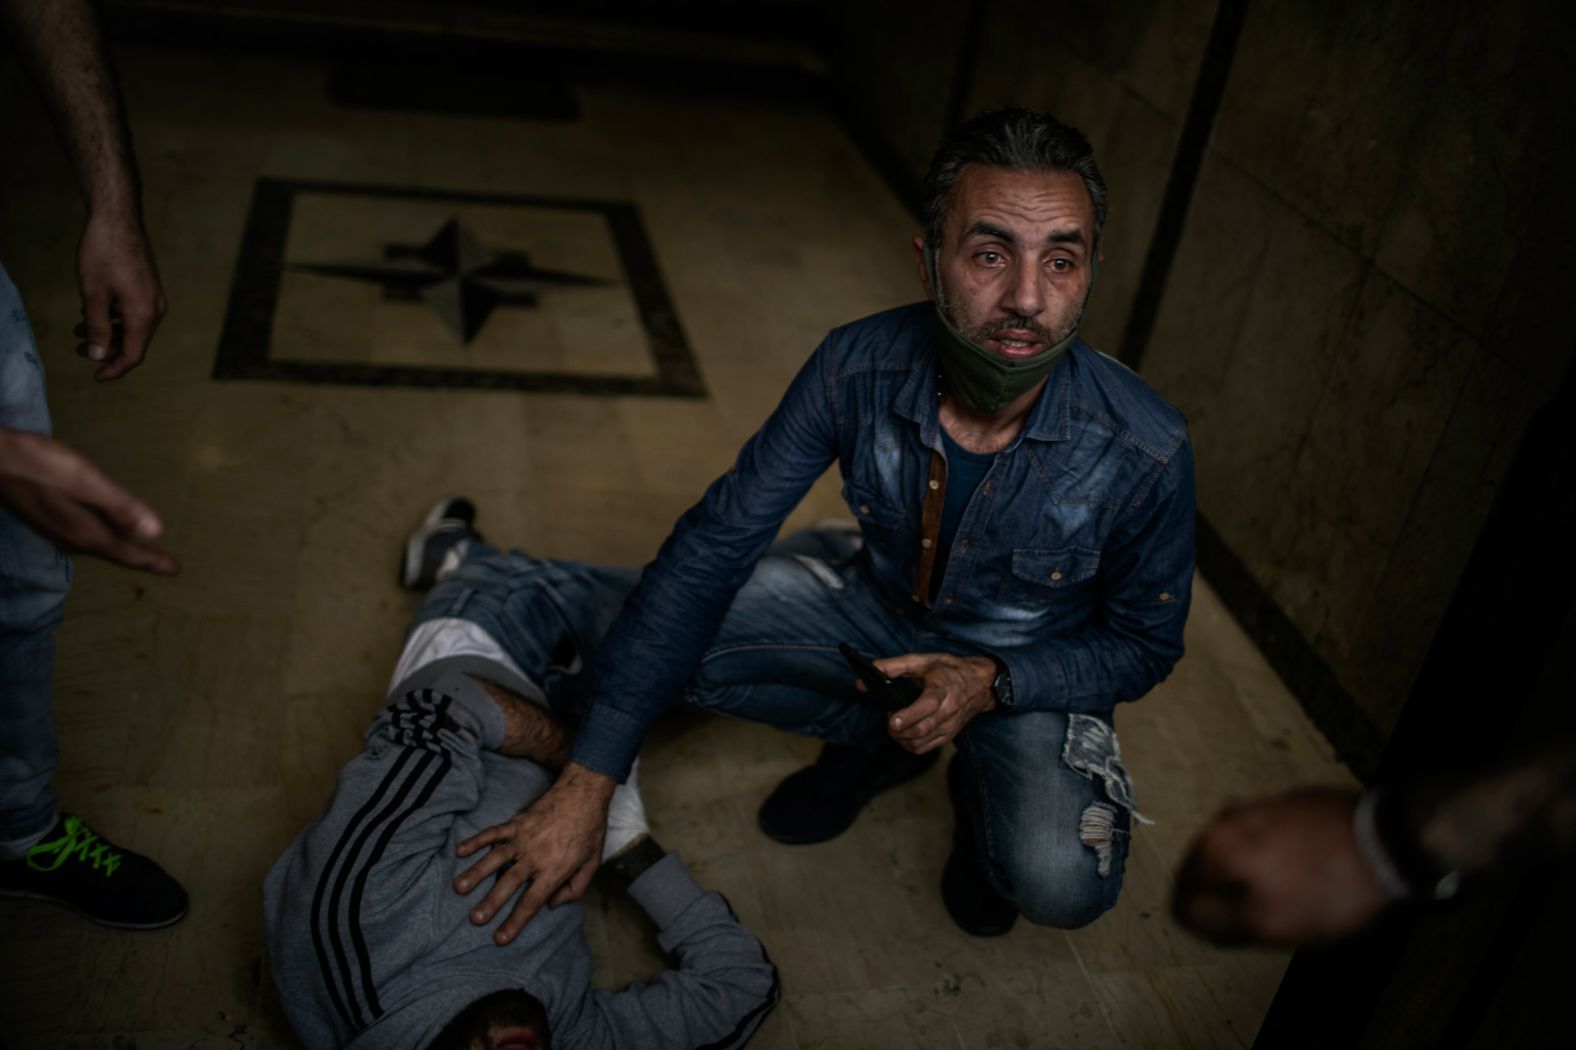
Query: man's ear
x: 919, y: 261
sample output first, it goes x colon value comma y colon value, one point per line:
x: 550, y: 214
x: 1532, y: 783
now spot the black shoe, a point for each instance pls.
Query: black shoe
x: 971, y: 901
x: 820, y: 802
x: 451, y: 520
x: 95, y: 878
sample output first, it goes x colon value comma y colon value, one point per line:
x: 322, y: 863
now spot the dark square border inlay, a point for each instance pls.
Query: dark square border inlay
x: 248, y: 324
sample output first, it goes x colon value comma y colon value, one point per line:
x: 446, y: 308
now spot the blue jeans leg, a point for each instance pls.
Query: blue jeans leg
x: 34, y: 579
x: 775, y: 658
x: 549, y: 615
x: 1054, y: 837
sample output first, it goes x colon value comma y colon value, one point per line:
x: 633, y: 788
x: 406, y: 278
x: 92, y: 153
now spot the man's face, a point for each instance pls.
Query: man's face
x: 1014, y: 259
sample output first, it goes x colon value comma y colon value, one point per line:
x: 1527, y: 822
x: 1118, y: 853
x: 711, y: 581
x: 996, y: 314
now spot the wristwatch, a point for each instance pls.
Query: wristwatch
x: 633, y: 862
x: 1001, y: 688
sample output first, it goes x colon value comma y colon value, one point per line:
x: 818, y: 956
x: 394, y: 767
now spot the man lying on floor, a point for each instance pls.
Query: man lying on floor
x: 372, y: 948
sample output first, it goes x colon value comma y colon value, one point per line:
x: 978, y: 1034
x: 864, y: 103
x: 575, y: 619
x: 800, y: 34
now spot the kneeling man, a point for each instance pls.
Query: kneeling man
x: 1025, y: 551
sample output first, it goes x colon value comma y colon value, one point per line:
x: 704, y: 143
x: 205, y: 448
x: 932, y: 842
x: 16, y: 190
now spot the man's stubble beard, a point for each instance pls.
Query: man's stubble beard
x: 979, y: 333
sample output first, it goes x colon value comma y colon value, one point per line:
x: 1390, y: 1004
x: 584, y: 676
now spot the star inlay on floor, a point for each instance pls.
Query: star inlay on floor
x: 529, y: 293
x: 456, y: 275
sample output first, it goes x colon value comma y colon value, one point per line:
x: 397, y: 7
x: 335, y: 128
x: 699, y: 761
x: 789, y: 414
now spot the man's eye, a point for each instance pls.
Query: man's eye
x: 989, y: 258
x: 1061, y: 265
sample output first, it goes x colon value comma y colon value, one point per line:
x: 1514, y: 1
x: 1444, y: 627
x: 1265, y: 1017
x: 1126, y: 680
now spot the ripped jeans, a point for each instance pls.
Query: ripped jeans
x: 1045, y: 795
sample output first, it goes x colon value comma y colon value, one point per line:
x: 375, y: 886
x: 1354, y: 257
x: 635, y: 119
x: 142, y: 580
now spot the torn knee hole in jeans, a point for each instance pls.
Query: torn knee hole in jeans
x: 1097, y: 830
x: 1092, y: 749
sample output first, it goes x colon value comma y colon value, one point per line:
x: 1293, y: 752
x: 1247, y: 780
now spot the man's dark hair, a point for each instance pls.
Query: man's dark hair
x: 510, y: 1008
x: 1016, y: 139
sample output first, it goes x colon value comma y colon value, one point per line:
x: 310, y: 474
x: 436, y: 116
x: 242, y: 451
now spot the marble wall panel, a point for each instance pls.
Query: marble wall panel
x: 1166, y: 52
x: 1265, y: 401
x: 1209, y: 291
x: 1133, y: 146
x: 1323, y: 100
x: 1007, y: 73
x: 1395, y: 383
x: 1455, y: 227
x: 1439, y: 534
x: 1151, y: 47
x: 897, y: 61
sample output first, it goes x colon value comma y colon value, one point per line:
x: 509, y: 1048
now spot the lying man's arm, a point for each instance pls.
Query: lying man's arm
x: 724, y: 985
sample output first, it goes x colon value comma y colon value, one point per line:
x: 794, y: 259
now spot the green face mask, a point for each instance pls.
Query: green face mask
x: 988, y: 382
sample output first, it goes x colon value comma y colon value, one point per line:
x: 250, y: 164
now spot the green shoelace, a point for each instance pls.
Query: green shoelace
x: 79, y: 842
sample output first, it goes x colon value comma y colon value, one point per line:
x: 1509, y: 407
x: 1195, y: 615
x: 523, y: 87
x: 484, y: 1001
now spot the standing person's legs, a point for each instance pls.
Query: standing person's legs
x: 1044, y: 809
x: 34, y: 579
x: 46, y: 855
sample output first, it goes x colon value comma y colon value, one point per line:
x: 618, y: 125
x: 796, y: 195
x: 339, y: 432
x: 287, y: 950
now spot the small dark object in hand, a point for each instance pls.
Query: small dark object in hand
x: 892, y: 693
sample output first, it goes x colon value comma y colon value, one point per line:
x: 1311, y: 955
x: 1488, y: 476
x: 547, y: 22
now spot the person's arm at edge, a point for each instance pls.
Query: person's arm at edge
x: 74, y: 505
x: 1319, y: 864
x: 644, y: 662
x: 62, y: 46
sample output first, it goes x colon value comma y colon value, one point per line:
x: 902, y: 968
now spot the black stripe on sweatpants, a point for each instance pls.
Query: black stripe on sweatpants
x: 360, y: 942
x: 358, y: 889
x: 335, y: 941
x: 323, y: 961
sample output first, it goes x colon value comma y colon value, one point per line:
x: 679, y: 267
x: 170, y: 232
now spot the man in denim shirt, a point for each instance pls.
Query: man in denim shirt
x: 1025, y: 551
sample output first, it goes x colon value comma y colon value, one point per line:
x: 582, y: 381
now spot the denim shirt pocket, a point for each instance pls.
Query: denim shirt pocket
x: 1044, y: 576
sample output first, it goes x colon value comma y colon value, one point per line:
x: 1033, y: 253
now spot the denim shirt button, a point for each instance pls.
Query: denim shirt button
x: 925, y: 543
x: 1056, y: 575
x: 935, y: 484
x: 963, y: 545
x: 864, y: 508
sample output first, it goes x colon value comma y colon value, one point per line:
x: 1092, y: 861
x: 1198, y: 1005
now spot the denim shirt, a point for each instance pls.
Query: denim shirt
x: 1072, y: 565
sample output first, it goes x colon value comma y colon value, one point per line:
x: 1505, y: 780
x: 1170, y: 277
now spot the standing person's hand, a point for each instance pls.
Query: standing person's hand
x: 956, y: 689
x: 71, y: 503
x: 555, y: 843
x: 1281, y: 871
x: 122, y: 300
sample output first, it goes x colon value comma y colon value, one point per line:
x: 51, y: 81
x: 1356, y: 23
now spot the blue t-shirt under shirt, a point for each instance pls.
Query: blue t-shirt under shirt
x: 965, y: 471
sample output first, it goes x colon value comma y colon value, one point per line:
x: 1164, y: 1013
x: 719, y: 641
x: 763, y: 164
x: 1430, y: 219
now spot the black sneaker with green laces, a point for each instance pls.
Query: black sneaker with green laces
x: 75, y: 866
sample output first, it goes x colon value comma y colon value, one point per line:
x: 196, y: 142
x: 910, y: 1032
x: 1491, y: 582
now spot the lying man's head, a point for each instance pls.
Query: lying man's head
x: 512, y: 1019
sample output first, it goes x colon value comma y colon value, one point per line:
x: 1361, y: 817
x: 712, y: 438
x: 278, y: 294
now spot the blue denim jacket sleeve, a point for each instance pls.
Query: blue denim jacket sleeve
x: 675, y: 611
x: 1136, y: 636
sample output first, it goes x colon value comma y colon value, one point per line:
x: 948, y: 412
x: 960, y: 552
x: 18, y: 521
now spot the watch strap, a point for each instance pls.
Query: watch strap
x: 633, y: 862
